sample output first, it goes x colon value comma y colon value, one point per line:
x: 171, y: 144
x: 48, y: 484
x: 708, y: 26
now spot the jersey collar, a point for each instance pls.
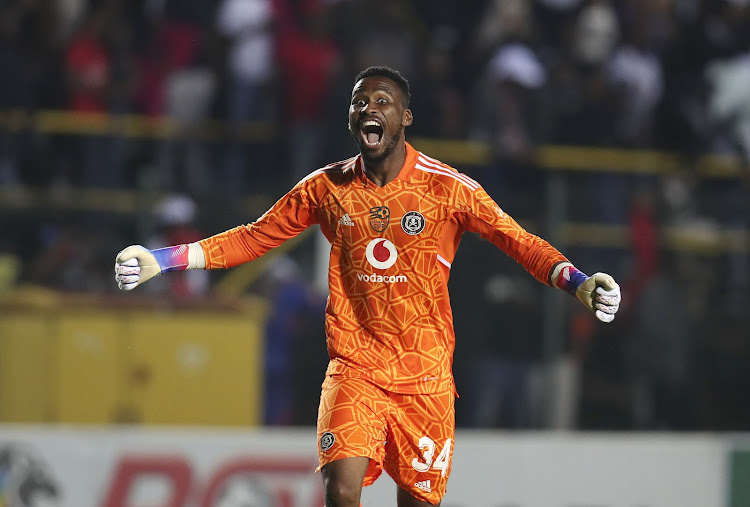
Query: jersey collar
x: 404, y: 174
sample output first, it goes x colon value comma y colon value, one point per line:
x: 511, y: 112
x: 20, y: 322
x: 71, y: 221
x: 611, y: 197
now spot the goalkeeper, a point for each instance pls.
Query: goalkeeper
x: 394, y: 217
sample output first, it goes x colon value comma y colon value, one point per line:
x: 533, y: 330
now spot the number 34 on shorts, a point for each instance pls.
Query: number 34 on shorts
x: 428, y: 459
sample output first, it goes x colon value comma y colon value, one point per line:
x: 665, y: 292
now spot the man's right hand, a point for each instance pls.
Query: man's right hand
x: 134, y: 266
x: 137, y: 264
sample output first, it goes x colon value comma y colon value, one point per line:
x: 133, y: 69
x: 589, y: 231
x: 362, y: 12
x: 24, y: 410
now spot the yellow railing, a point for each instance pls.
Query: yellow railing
x: 454, y: 151
x: 126, y: 125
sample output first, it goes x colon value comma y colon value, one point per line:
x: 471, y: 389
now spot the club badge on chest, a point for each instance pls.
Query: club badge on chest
x: 413, y: 223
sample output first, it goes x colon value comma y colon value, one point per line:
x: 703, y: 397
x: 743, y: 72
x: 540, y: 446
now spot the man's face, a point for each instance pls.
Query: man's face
x: 377, y: 116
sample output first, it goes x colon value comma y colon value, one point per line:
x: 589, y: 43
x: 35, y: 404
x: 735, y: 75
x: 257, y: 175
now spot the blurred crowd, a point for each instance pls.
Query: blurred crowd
x: 514, y: 73
x: 274, y: 76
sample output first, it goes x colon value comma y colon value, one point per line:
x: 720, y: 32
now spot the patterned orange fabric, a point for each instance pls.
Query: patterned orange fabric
x: 388, y: 317
x: 410, y: 436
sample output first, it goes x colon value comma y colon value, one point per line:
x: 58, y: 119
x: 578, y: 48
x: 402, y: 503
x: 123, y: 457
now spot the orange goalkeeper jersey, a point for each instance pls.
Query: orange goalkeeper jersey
x: 388, y: 316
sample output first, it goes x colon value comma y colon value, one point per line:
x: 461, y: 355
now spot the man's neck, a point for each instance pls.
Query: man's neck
x: 382, y: 172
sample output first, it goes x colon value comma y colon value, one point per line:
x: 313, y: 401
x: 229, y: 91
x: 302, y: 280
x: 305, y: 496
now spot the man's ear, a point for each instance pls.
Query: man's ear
x: 407, y: 118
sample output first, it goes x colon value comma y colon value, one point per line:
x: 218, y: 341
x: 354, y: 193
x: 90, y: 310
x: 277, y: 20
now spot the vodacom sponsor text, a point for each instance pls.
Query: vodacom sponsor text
x: 373, y: 278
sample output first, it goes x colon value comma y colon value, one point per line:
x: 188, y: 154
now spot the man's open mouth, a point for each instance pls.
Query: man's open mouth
x: 372, y: 133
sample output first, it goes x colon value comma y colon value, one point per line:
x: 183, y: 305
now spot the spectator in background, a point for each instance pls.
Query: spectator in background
x: 178, y: 81
x: 385, y: 33
x: 292, y: 374
x: 69, y: 14
x: 176, y: 217
x: 505, y: 117
x: 582, y: 100
x: 728, y: 112
x: 173, y: 39
x: 121, y: 42
x: 666, y: 336
x: 503, y: 22
x: 68, y: 257
x: 636, y: 70
x: 586, y: 109
x: 15, y: 91
x: 643, y: 230
x: 62, y: 254
x: 309, y: 62
x: 123, y: 76
x: 679, y: 123
x: 514, y: 73
x: 503, y: 322
x: 553, y: 19
x: 248, y: 26
x: 729, y: 103
x: 89, y: 65
x: 89, y: 68
x: 595, y: 32
x: 189, y: 95
x: 504, y: 94
x: 438, y: 96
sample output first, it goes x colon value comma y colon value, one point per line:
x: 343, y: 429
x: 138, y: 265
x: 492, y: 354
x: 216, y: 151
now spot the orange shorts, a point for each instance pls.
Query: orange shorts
x: 410, y: 436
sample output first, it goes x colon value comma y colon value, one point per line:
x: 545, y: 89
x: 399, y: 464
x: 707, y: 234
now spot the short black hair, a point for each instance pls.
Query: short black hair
x: 392, y: 74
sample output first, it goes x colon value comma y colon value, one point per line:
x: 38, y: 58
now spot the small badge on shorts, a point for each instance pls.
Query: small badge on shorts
x: 327, y: 440
x: 413, y: 223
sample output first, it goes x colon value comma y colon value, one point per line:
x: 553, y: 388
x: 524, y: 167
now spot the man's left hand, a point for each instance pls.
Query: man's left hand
x: 600, y: 294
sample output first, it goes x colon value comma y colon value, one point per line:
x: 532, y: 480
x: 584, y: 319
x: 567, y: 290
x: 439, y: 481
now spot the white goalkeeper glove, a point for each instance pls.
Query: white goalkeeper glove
x: 599, y: 292
x: 137, y: 264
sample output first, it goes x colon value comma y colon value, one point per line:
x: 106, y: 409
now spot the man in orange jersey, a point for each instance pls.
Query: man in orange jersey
x: 394, y: 217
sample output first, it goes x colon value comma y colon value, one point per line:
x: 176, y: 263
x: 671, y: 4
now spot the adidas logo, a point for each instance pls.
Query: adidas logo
x: 424, y: 486
x: 346, y: 220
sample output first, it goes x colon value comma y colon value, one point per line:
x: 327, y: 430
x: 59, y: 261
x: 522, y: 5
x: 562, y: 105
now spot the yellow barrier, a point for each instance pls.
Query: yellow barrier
x: 127, y: 125
x: 93, y: 365
x: 26, y: 368
x: 196, y: 369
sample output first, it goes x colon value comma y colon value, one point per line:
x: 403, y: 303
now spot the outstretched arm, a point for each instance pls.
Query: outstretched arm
x: 599, y: 293
x: 291, y: 215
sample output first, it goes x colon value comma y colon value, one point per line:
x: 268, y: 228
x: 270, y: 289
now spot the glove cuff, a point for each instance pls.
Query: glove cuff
x: 568, y: 278
x: 180, y: 257
x: 172, y: 258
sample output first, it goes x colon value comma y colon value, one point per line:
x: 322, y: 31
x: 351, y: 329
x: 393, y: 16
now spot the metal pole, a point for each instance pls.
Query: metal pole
x: 553, y: 318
